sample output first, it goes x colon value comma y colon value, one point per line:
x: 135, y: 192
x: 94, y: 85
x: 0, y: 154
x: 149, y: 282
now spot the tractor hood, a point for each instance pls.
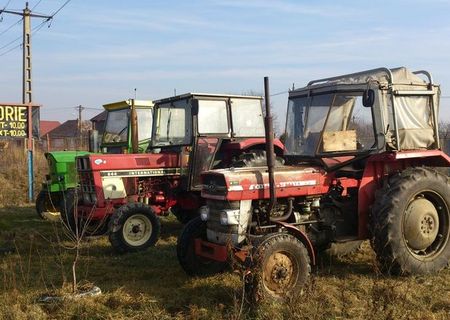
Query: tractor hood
x: 130, y: 165
x: 253, y: 183
x: 64, y: 156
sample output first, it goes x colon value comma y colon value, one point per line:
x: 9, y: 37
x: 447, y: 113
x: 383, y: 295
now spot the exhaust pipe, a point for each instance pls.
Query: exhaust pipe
x: 268, y: 122
x: 134, y: 128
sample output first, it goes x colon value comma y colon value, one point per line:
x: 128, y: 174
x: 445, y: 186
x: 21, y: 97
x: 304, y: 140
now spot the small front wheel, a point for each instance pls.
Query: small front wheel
x: 281, y: 268
x: 133, y: 227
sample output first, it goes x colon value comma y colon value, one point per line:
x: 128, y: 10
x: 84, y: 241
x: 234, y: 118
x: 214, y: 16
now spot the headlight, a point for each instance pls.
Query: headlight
x: 229, y: 217
x: 204, y: 213
x: 224, y: 218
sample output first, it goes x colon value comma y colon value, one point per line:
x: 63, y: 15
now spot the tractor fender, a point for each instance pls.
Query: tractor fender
x: 300, y: 235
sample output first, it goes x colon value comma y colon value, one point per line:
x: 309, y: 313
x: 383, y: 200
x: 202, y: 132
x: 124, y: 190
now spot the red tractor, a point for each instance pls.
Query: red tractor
x: 124, y: 194
x: 363, y: 161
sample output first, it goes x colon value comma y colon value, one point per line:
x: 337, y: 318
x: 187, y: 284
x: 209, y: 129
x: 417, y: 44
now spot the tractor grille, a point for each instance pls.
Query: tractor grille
x: 214, y: 184
x: 86, y: 181
x: 219, y: 233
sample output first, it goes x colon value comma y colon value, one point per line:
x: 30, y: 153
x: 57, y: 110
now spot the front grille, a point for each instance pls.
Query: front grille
x: 214, y: 184
x: 86, y: 181
x: 215, y: 207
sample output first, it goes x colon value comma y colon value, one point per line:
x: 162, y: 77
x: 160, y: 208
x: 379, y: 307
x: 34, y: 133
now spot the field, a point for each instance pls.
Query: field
x: 151, y: 285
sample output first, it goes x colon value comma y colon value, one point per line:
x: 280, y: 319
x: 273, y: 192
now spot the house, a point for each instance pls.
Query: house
x: 67, y: 136
x: 98, y: 122
x: 46, y: 126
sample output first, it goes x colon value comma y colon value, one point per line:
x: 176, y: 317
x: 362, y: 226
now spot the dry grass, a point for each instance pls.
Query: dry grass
x: 14, y: 178
x: 151, y: 285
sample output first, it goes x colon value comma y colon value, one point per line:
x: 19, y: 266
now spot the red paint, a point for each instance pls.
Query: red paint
x: 210, y: 250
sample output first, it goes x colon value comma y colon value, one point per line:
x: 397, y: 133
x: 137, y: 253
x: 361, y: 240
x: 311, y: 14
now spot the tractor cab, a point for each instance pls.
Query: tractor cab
x: 209, y: 131
x: 344, y: 119
x: 118, y: 135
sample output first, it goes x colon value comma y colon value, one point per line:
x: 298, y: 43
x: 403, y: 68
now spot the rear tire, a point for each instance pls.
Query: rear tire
x: 410, y: 222
x: 48, y: 205
x: 254, y: 158
x: 133, y: 227
x: 184, y: 215
x: 192, y: 264
x: 281, y: 269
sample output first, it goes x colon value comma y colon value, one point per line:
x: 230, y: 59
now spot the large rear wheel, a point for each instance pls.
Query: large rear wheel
x: 410, y: 222
x: 192, y: 264
x: 133, y: 227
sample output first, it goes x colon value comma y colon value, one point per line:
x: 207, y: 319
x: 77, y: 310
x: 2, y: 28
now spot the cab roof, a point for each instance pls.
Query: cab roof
x: 204, y: 95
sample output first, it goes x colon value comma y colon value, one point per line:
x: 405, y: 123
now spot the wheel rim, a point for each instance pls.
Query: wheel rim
x: 280, y: 273
x: 137, y: 230
x: 426, y: 225
x: 50, y: 210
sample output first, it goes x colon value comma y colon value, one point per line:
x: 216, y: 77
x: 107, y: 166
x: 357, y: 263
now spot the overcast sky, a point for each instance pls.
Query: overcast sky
x: 97, y: 52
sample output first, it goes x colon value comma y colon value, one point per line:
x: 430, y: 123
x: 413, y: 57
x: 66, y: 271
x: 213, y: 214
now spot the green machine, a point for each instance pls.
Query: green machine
x: 128, y: 129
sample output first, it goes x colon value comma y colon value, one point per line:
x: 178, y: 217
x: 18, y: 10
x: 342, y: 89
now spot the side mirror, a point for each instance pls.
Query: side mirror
x: 368, y: 98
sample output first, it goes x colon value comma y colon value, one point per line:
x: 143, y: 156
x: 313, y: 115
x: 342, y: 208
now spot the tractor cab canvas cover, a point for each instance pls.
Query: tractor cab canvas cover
x: 409, y: 104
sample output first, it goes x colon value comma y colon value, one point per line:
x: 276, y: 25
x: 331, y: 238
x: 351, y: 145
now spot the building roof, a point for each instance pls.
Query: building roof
x: 67, y: 129
x: 100, y: 117
x: 46, y: 126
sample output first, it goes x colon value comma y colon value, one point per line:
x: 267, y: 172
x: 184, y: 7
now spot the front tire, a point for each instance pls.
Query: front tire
x: 192, y: 264
x: 48, y: 205
x: 133, y: 227
x: 410, y: 222
x: 282, y: 269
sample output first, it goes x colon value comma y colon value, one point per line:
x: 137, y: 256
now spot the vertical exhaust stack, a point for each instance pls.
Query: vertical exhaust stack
x: 134, y: 129
x: 268, y: 122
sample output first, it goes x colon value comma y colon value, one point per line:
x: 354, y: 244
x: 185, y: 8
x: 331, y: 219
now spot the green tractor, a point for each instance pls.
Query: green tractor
x: 128, y: 129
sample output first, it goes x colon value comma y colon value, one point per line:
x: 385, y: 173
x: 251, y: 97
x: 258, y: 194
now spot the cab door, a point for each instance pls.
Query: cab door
x: 212, y: 125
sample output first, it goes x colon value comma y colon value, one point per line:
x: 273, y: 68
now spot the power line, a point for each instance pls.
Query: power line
x: 9, y: 50
x: 11, y: 26
x: 60, y: 8
x: 7, y: 4
x: 36, y: 5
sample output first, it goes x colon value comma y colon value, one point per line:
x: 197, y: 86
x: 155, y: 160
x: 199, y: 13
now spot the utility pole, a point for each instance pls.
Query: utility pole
x: 80, y: 125
x: 26, y: 81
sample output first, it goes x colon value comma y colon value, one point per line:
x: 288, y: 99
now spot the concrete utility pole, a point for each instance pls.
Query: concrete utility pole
x: 26, y: 15
x: 26, y: 81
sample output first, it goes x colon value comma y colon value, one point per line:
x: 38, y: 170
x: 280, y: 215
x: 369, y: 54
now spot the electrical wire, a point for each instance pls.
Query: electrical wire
x: 279, y: 93
x: 60, y: 8
x: 35, y: 29
x: 7, y: 4
x: 36, y: 5
x: 11, y: 26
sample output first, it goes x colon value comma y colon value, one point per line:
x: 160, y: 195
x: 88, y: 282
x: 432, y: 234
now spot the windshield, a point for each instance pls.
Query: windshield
x: 247, y: 118
x: 335, y: 122
x: 173, y: 124
x: 116, y: 127
x: 145, y: 119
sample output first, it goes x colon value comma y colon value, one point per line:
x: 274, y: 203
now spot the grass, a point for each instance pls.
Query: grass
x: 151, y: 285
x: 13, y: 175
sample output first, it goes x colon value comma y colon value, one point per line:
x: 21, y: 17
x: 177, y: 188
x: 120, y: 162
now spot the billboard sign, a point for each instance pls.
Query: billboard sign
x: 15, y: 121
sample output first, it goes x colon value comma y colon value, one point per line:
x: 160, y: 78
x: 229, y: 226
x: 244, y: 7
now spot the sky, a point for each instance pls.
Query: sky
x: 96, y: 52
